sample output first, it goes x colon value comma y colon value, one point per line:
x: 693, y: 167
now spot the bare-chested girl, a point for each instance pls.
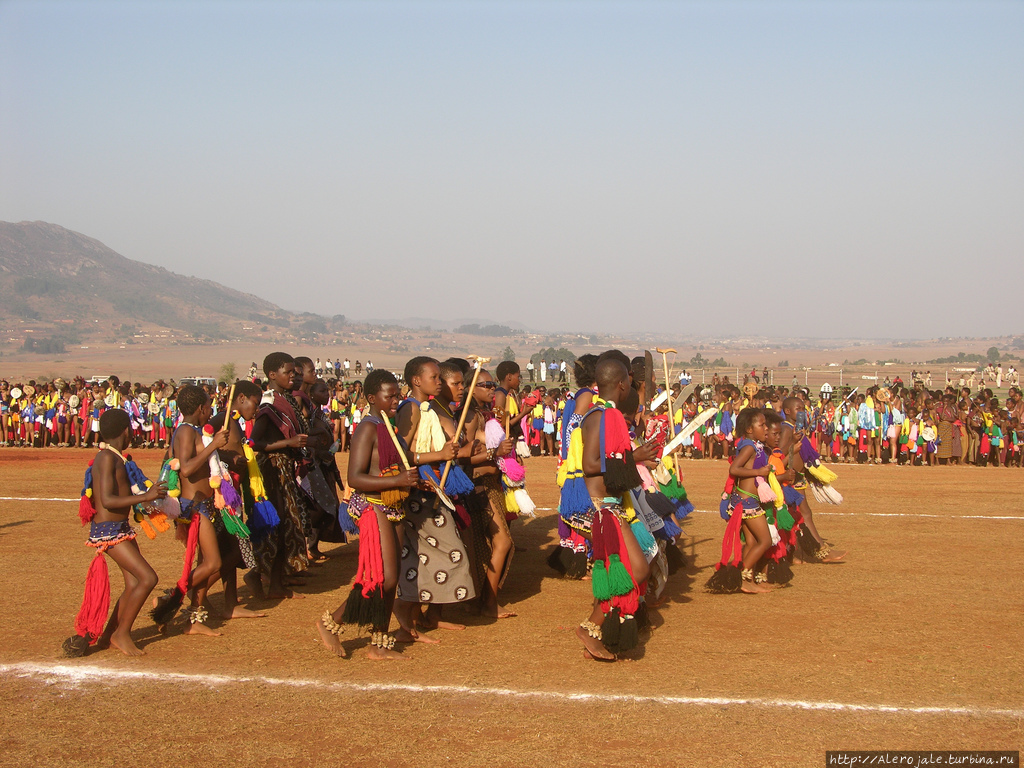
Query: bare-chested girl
x: 607, y: 521
x: 111, y: 534
x: 246, y: 401
x: 197, y: 496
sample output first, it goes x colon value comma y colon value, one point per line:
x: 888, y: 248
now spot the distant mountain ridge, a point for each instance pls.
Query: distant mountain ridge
x: 52, y: 275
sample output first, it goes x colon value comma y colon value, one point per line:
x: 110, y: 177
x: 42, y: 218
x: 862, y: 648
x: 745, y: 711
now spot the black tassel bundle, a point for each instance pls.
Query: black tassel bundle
x: 167, y: 607
x: 727, y: 579
x: 808, y: 544
x: 619, y: 633
x: 676, y: 559
x: 369, y: 611
x: 779, y: 572
x: 620, y: 475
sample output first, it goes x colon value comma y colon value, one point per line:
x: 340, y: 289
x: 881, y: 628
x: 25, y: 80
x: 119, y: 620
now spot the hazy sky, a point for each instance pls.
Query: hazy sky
x: 799, y: 168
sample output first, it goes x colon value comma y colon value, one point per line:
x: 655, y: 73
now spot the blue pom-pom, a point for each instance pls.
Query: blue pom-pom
x: 348, y: 525
x: 135, y: 474
x: 726, y: 426
x: 88, y: 480
x: 263, y: 518
x: 671, y: 530
x: 683, y: 507
x: 791, y: 495
x: 575, y: 498
x: 457, y: 483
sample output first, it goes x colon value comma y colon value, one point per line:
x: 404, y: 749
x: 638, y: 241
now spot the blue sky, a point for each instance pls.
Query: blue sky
x: 710, y: 167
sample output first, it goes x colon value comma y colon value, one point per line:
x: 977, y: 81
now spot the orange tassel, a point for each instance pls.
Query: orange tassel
x: 159, y: 521
x: 147, y: 529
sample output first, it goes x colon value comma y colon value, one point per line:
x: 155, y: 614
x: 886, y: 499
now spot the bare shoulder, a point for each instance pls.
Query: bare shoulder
x: 102, y: 462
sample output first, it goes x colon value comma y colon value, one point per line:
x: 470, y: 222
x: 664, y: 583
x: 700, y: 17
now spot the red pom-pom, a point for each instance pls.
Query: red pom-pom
x: 208, y: 430
x: 86, y: 511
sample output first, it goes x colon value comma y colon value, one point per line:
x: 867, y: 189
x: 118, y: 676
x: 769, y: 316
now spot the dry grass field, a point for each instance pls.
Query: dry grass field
x: 912, y: 643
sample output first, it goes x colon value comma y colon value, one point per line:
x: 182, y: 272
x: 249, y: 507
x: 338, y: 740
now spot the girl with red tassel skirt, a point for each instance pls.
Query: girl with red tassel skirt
x: 107, y: 499
x: 376, y: 507
x: 735, y: 571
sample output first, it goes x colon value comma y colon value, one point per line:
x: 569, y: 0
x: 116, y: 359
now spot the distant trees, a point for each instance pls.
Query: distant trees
x: 475, y: 329
x: 508, y: 354
x: 962, y: 357
x: 48, y: 346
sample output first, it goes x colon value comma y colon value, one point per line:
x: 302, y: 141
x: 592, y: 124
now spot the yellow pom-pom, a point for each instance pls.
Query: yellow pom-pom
x: 88, y: 492
x: 215, y: 481
x: 175, y: 493
x: 149, y: 483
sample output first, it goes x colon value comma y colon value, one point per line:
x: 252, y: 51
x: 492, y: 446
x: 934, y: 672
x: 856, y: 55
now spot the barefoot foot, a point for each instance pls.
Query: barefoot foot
x: 285, y: 594
x: 412, y: 636
x: 425, y: 624
x: 201, y: 629
x: 238, y: 612
x: 592, y: 647
x: 255, y: 584
x: 125, y: 645
x: 330, y: 640
x: 495, y: 612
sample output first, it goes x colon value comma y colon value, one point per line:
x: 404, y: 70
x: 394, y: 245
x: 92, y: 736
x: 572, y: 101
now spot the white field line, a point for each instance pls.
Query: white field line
x: 702, y: 511
x: 29, y: 498
x: 52, y: 674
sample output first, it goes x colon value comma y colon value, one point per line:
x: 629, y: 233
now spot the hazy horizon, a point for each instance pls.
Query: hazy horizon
x: 714, y: 168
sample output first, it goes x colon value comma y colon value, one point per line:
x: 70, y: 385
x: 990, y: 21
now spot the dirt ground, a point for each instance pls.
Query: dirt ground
x: 925, y: 613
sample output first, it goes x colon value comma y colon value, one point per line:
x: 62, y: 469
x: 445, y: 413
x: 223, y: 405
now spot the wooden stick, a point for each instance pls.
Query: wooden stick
x: 405, y: 462
x: 227, y: 416
x: 462, y: 419
x: 394, y: 439
x: 668, y: 389
x: 671, y: 417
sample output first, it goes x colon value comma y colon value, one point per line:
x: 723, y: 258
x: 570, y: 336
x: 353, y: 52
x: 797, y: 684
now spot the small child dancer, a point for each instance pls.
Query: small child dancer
x: 197, y: 510
x: 746, y: 514
x: 106, y: 502
x: 243, y: 406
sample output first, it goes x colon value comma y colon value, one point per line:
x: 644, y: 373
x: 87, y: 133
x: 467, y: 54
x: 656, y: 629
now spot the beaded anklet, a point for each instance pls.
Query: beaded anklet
x: 331, y: 625
x: 383, y: 640
x: 592, y: 629
x: 198, y: 615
